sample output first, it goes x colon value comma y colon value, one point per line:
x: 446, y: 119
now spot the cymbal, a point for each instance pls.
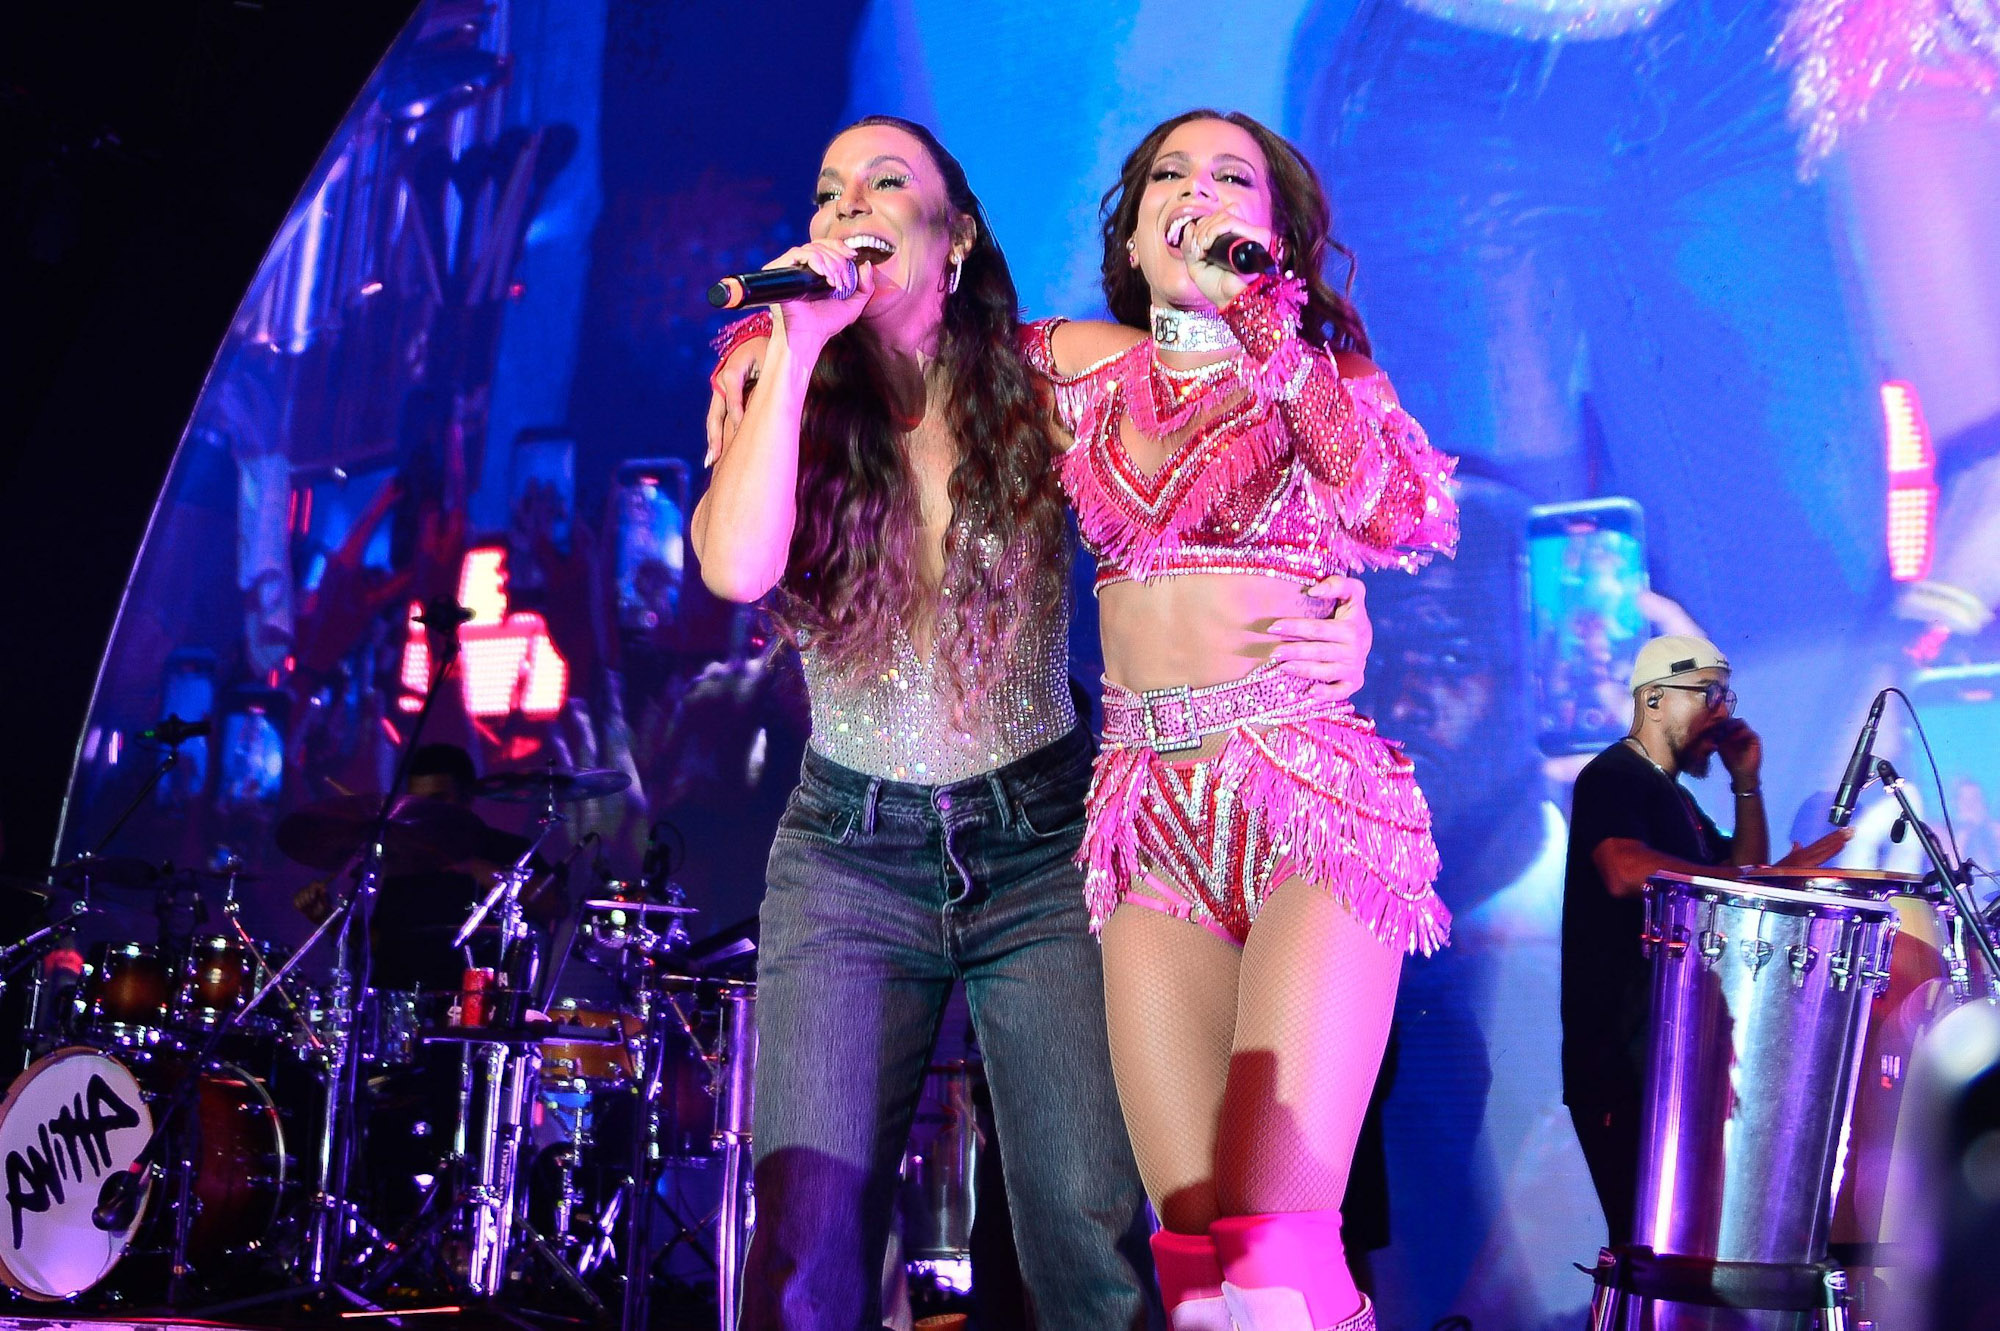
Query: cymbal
x: 422, y: 834
x: 24, y: 887
x: 223, y: 876
x: 105, y: 871
x: 540, y: 784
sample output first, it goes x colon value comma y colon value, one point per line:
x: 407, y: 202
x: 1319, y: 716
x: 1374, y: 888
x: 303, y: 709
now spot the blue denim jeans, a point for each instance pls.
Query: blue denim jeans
x: 881, y: 895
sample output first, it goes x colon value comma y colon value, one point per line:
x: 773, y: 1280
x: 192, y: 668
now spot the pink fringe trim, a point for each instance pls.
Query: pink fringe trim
x: 1138, y: 524
x: 1338, y: 801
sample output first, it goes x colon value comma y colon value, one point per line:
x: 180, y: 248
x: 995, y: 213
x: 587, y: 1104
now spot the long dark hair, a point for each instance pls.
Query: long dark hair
x: 1299, y: 214
x: 853, y: 572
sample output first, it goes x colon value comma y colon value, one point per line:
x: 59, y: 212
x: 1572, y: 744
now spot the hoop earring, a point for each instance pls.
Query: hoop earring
x: 957, y: 269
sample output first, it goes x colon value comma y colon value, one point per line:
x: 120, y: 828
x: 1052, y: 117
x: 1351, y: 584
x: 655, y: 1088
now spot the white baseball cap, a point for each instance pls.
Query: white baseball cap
x: 1675, y: 654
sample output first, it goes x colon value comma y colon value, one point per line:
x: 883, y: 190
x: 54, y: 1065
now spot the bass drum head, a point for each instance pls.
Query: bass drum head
x: 70, y: 1121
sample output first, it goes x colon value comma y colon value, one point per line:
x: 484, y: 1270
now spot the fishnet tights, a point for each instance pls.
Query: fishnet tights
x: 1244, y: 1075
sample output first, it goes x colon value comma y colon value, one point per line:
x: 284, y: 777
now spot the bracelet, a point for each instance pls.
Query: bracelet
x: 1751, y: 793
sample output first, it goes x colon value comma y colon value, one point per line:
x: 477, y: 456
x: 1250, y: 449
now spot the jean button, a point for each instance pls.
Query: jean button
x: 944, y: 803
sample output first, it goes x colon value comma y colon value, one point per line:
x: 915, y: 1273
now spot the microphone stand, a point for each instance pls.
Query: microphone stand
x: 1957, y: 887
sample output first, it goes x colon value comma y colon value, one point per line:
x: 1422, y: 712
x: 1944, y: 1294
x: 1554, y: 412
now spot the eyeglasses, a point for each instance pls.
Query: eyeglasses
x: 1712, y: 695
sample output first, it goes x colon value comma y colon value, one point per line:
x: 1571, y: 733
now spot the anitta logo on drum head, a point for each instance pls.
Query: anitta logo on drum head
x: 77, y: 1136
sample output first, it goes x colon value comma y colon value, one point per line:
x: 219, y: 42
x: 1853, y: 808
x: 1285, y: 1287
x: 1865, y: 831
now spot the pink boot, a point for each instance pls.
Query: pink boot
x: 1190, y: 1281
x: 1287, y: 1271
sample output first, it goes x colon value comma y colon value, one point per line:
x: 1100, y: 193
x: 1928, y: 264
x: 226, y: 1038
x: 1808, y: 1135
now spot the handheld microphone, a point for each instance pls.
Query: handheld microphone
x: 173, y: 731
x: 768, y: 286
x: 1245, y: 256
x: 1856, y: 776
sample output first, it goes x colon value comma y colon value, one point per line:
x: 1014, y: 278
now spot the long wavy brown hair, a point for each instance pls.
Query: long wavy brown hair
x: 1299, y: 212
x: 853, y: 574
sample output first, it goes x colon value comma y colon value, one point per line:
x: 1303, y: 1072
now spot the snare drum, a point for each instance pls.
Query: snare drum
x: 581, y: 1065
x: 124, y: 998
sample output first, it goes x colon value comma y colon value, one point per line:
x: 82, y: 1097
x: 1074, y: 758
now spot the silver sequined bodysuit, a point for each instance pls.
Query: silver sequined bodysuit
x: 896, y: 722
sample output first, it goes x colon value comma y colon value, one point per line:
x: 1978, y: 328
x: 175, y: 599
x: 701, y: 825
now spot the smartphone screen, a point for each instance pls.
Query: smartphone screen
x: 325, y: 506
x: 1586, y: 569
x: 252, y: 742
x: 651, y: 539
x: 543, y: 471
x: 187, y: 690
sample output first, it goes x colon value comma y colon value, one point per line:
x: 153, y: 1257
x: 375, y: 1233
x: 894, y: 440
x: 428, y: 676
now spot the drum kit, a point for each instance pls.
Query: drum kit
x: 211, y: 1114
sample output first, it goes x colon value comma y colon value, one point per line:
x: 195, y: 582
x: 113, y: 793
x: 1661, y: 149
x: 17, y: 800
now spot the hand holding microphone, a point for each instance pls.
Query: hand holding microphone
x: 809, y: 272
x: 1223, y: 252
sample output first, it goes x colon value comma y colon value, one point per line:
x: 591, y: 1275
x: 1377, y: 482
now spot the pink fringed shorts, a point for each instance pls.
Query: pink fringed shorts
x: 1300, y: 788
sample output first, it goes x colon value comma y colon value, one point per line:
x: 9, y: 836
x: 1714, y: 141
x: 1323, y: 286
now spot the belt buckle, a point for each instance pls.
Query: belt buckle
x: 1184, y: 695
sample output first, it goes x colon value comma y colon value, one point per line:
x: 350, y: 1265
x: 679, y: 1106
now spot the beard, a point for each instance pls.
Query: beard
x: 1696, y: 763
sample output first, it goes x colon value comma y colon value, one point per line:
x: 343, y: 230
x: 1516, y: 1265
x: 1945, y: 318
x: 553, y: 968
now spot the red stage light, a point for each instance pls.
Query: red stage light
x: 1913, y: 492
x: 507, y: 661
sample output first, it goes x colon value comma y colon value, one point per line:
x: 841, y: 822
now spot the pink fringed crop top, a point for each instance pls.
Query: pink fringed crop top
x: 1283, y: 467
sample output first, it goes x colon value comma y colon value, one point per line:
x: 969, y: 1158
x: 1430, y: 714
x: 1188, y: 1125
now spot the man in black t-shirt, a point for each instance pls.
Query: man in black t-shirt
x: 1631, y: 818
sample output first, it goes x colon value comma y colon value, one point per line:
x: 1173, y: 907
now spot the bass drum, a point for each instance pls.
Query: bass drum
x: 78, y: 1116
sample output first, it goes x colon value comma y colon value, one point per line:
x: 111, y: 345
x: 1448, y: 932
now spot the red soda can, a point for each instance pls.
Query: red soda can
x: 472, y: 995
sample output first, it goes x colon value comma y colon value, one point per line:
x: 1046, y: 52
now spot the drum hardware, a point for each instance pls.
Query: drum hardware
x: 29, y: 952
x: 123, y: 1194
x: 729, y: 1059
x: 501, y: 1075
x: 403, y: 832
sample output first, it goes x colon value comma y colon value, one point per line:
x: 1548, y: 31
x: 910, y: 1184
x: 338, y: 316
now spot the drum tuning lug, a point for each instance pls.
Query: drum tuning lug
x: 1803, y: 957
x: 1755, y: 953
x: 1677, y: 945
x: 1841, y: 967
x: 1712, y: 945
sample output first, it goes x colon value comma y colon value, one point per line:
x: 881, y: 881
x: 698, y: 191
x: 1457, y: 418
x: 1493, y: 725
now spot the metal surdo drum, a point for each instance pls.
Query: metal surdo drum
x: 77, y: 1117
x: 1760, y: 996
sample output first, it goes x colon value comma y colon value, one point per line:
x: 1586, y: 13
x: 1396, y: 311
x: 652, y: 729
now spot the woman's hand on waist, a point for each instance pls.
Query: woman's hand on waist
x: 1199, y: 629
x: 1331, y: 652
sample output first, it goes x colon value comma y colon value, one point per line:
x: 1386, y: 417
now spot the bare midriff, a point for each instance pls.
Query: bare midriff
x: 1195, y: 628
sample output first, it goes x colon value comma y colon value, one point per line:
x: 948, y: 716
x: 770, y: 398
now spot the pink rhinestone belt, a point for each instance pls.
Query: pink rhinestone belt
x: 1174, y: 719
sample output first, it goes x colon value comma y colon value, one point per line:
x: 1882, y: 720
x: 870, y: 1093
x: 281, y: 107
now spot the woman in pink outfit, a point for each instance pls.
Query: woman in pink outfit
x: 1258, y: 859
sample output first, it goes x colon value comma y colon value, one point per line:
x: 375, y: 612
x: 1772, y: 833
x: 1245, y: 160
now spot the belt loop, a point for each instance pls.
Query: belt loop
x: 868, y: 799
x: 1002, y: 800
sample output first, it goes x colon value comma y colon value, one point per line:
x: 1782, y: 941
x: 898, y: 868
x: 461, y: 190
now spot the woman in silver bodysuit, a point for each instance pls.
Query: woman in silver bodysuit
x: 891, y: 480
